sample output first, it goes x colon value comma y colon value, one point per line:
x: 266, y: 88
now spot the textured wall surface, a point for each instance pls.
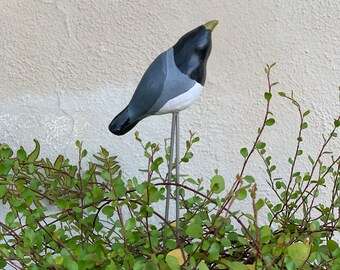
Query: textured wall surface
x: 68, y: 67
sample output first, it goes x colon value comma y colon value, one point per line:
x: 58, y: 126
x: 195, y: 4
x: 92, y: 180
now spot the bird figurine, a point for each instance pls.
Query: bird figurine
x: 172, y: 82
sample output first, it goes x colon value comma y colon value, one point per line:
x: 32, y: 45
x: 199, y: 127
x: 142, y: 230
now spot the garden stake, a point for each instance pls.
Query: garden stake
x: 173, y: 81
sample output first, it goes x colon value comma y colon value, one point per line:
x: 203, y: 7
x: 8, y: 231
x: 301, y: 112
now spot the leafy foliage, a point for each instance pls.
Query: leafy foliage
x: 67, y: 216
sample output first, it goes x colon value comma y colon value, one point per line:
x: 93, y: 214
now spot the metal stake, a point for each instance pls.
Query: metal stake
x: 171, y: 160
x: 174, y: 131
x: 177, y: 177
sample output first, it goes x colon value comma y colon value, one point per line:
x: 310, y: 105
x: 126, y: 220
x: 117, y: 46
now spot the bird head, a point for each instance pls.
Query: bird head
x: 192, y: 51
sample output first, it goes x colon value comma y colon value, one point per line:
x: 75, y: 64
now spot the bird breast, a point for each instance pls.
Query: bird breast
x: 182, y: 101
x: 179, y: 90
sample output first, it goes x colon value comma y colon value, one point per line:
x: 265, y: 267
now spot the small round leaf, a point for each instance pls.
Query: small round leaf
x: 217, y: 184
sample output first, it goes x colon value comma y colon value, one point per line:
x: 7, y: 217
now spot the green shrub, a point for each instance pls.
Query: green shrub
x: 64, y: 216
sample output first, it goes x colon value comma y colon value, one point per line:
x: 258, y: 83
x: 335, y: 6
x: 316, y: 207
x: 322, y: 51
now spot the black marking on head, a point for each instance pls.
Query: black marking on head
x: 191, y: 53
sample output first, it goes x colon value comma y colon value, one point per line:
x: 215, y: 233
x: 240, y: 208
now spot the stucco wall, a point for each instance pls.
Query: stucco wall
x: 68, y: 67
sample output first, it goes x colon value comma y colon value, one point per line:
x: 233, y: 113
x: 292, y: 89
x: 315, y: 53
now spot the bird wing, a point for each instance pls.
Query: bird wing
x: 176, y: 83
x: 161, y: 82
x: 149, y: 88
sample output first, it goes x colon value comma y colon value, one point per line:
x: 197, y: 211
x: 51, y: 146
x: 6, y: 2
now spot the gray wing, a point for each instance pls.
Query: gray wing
x: 176, y: 83
x: 149, y: 88
x: 161, y: 82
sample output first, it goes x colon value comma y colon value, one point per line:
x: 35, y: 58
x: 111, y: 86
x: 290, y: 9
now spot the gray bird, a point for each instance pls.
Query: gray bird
x: 172, y: 82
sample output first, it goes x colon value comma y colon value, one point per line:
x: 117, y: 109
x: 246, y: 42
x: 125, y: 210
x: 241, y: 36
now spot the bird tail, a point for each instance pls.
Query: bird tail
x: 122, y: 123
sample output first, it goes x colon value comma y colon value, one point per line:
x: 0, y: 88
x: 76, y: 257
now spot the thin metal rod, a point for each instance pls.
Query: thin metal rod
x: 177, y: 177
x: 171, y: 160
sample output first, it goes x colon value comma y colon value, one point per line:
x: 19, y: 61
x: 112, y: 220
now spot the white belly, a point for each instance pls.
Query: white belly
x: 182, y: 101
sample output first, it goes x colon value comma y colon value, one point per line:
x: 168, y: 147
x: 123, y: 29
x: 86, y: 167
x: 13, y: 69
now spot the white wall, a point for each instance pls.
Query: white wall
x: 68, y: 67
